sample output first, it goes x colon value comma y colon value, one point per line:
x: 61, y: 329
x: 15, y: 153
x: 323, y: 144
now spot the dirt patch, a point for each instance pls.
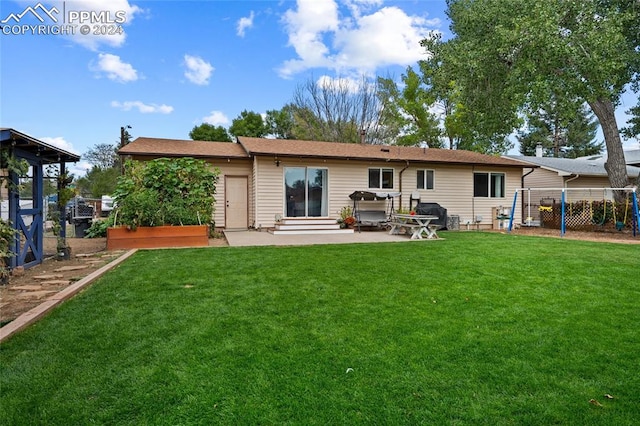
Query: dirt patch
x: 622, y: 237
x: 30, y: 287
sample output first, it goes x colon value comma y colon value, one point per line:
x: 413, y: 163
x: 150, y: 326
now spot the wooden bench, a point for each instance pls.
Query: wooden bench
x: 396, y: 227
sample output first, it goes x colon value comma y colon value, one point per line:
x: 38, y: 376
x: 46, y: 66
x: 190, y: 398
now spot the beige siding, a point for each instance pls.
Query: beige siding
x: 453, y: 190
x: 453, y: 187
x: 542, y: 178
x: 233, y: 167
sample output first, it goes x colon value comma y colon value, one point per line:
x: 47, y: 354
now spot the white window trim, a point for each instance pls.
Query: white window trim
x: 381, y: 169
x: 425, y: 179
x: 504, y: 181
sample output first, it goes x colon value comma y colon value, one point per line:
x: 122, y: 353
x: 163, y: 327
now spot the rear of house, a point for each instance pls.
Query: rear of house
x: 265, y: 180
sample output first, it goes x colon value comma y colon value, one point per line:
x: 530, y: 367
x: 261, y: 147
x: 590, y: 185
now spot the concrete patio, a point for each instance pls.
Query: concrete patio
x: 264, y: 238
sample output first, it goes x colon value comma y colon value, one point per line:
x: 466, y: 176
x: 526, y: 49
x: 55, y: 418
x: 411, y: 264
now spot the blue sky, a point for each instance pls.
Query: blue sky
x: 177, y: 64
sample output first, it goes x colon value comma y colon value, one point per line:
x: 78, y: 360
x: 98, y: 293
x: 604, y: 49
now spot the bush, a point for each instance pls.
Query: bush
x: 166, y: 192
x: 98, y: 228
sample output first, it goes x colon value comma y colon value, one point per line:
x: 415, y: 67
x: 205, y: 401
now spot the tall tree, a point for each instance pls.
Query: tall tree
x: 102, y: 178
x: 209, y: 132
x: 248, y: 123
x: 339, y: 110
x: 633, y: 128
x: 563, y: 129
x: 508, y: 54
x: 102, y: 155
x: 280, y: 123
x: 412, y: 105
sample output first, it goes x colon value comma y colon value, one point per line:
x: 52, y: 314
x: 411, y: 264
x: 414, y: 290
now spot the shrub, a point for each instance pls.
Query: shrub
x: 166, y: 192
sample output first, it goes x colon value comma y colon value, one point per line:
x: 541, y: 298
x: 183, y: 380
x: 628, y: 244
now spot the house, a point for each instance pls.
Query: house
x: 584, y: 179
x: 263, y: 181
x: 551, y: 172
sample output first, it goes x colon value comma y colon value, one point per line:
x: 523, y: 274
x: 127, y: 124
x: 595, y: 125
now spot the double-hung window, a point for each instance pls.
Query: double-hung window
x: 425, y: 179
x: 490, y: 185
x: 380, y: 178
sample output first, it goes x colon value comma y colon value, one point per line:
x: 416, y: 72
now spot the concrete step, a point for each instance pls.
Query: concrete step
x: 311, y: 231
x: 297, y: 227
x: 307, y: 221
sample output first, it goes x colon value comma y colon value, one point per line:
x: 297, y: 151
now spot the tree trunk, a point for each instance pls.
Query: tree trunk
x: 615, y: 165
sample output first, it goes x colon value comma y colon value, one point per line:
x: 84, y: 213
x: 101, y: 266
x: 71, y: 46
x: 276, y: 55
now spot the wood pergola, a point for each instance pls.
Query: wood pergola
x: 29, y: 222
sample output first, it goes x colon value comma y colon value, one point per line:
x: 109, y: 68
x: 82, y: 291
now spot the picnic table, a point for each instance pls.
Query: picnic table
x: 414, y: 224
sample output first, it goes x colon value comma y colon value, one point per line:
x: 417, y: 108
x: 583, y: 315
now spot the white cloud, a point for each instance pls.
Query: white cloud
x: 357, y: 42
x: 106, y: 11
x: 198, y: 70
x: 114, y: 68
x: 59, y: 142
x: 351, y: 85
x: 244, y: 23
x: 142, y: 107
x: 216, y: 118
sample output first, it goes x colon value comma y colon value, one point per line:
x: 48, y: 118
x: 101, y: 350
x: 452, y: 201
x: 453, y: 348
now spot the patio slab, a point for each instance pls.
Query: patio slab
x: 264, y: 238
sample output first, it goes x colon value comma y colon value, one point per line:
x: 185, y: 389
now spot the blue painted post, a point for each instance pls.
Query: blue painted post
x: 636, y: 216
x: 513, y: 210
x: 562, y: 221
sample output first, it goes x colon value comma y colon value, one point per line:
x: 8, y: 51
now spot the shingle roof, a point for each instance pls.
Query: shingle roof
x: 248, y: 147
x: 570, y: 166
x: 298, y: 148
x: 179, y: 148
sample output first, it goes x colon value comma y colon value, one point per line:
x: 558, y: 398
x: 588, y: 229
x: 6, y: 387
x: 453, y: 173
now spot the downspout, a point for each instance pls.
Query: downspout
x: 400, y: 177
x: 569, y: 180
x: 523, y: 201
x: 524, y: 176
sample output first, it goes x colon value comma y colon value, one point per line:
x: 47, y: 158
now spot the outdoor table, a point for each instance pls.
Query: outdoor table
x: 416, y: 223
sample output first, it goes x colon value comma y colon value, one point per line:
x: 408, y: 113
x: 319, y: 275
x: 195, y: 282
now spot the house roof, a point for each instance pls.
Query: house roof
x: 49, y: 153
x: 179, y: 148
x: 249, y: 147
x: 631, y: 156
x: 571, y: 166
x: 298, y: 148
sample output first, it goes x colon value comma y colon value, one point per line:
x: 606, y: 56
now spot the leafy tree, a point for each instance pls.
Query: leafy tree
x: 248, y: 123
x: 103, y: 156
x: 633, y: 128
x: 564, y: 129
x: 98, y: 182
x: 280, y: 123
x: 411, y: 104
x: 508, y: 54
x: 209, y: 132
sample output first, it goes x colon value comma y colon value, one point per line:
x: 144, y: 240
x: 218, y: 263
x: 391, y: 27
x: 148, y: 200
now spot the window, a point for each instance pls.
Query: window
x: 380, y: 178
x: 488, y: 185
x: 425, y: 179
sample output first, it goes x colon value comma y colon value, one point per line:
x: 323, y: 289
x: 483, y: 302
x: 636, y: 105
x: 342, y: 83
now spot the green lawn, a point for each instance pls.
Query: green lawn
x: 479, y: 328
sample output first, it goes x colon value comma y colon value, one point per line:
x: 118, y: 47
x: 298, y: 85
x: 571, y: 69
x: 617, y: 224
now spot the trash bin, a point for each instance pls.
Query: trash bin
x: 81, y: 227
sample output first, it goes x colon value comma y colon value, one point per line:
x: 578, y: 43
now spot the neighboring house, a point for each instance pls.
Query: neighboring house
x: 632, y: 157
x: 550, y: 172
x: 547, y: 176
x: 264, y: 180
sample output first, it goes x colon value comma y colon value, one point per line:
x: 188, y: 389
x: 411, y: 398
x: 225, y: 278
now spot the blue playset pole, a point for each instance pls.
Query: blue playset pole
x: 563, y: 227
x: 513, y: 210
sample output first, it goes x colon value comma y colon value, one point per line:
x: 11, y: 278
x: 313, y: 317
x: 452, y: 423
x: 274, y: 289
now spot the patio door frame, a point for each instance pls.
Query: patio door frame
x: 292, y: 201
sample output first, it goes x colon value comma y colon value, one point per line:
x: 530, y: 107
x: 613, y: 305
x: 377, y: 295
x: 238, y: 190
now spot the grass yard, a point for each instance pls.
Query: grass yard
x: 479, y: 328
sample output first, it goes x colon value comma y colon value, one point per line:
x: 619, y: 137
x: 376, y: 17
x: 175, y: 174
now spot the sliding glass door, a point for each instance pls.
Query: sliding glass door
x: 306, y: 192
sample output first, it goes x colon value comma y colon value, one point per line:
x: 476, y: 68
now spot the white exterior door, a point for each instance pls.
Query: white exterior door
x: 236, y: 202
